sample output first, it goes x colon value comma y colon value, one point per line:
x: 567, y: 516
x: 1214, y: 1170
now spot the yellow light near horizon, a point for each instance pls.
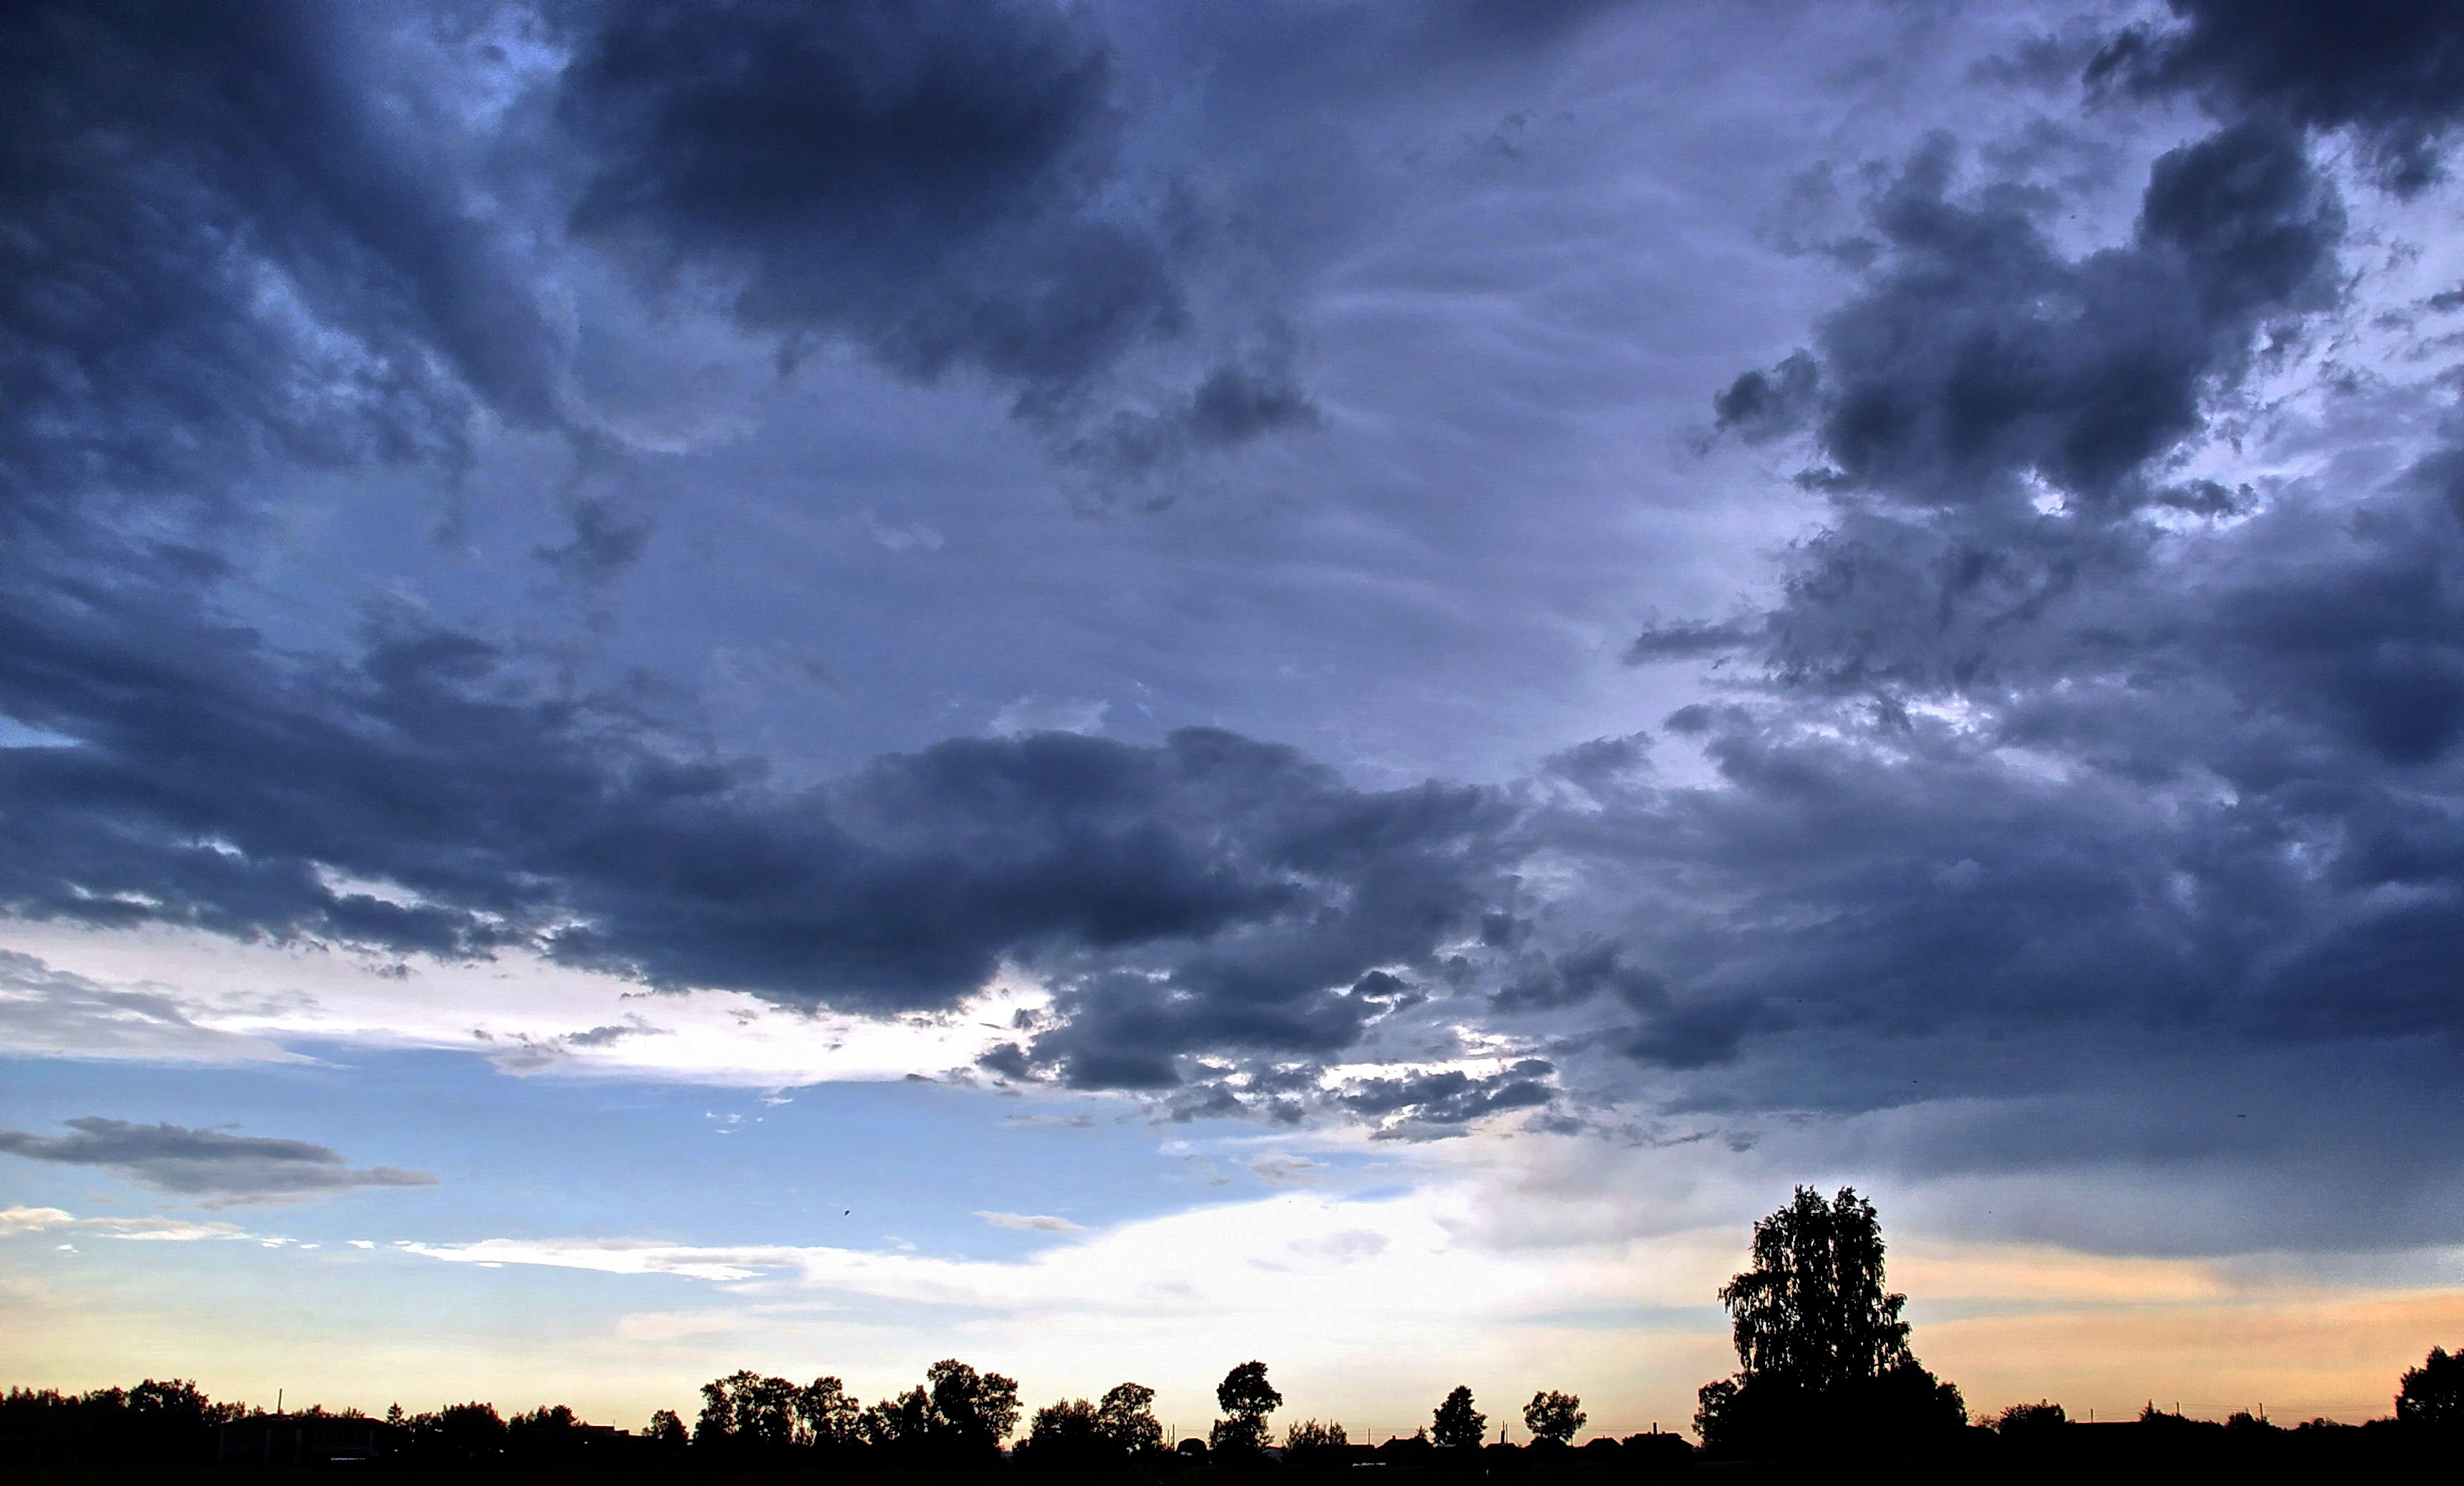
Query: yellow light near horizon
x: 2095, y: 1333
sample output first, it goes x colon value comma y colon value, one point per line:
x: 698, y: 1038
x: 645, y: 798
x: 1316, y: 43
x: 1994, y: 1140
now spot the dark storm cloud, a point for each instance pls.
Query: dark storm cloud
x: 2202, y: 800
x: 938, y: 183
x: 606, y: 541
x: 1687, y: 639
x: 225, y: 245
x: 211, y: 786
x: 2390, y: 71
x: 1280, y: 987
x: 239, y: 247
x: 857, y: 164
x: 2069, y: 783
x: 1763, y: 406
x: 2056, y: 760
x: 250, y: 239
x: 1979, y: 356
x: 1417, y: 1105
x: 224, y: 1170
x: 1580, y: 975
x: 1991, y: 416
x: 1233, y: 404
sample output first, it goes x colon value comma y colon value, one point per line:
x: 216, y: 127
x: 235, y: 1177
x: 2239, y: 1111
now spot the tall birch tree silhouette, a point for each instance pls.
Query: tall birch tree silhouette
x: 1821, y: 1345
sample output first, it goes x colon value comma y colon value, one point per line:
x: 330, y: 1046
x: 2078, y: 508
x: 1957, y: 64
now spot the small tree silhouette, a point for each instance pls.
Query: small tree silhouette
x: 830, y: 1416
x: 975, y: 1412
x: 746, y: 1411
x: 1310, y: 1443
x: 1553, y: 1417
x: 1064, y: 1434
x: 1126, y: 1419
x: 2028, y: 1418
x: 460, y: 1434
x: 1458, y: 1423
x: 1247, y: 1397
x: 904, y: 1423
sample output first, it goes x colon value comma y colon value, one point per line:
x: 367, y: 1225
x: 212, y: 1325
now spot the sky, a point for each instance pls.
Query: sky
x: 1109, y: 688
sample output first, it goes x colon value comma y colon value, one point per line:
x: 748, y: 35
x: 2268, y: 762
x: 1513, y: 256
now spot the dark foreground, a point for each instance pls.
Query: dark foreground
x: 2100, y: 1455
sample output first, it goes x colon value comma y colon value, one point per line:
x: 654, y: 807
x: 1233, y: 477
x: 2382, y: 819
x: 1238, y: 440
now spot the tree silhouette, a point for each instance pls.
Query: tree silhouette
x: 1075, y: 1433
x: 1247, y: 1397
x: 460, y: 1434
x: 1553, y: 1417
x: 1821, y: 1345
x: 830, y: 1416
x: 547, y: 1434
x: 2025, y: 1419
x: 547, y: 1417
x: 901, y: 1423
x: 1309, y: 1443
x: 975, y: 1412
x: 1458, y: 1423
x: 172, y: 1404
x: 666, y: 1430
x: 1813, y: 1308
x: 2433, y: 1393
x: 1065, y: 1434
x: 747, y: 1411
x: 163, y: 1422
x: 1126, y: 1419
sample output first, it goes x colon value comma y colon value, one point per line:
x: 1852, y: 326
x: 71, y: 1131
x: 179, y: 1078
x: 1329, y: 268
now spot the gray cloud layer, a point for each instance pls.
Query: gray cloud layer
x: 223, y: 1169
x: 2059, y: 757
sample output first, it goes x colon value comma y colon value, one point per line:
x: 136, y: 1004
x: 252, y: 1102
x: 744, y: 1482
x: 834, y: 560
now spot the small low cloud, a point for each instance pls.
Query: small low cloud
x: 1048, y: 714
x: 1285, y: 1171
x: 219, y: 1167
x: 1347, y: 1247
x: 601, y: 1037
x: 30, y: 1220
x: 1032, y: 1222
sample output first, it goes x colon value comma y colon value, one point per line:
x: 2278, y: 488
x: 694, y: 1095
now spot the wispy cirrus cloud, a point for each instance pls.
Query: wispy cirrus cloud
x: 152, y: 1229
x: 49, y: 1012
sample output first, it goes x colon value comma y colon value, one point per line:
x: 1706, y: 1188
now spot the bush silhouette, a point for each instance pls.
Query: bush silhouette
x: 1309, y: 1443
x: 2028, y: 1419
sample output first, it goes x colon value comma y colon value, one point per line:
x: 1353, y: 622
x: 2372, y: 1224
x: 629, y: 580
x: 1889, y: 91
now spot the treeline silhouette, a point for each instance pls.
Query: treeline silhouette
x: 1826, y: 1384
x: 956, y: 1418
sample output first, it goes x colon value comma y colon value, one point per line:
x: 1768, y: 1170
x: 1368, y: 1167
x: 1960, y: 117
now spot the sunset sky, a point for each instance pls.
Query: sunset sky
x: 1107, y: 687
